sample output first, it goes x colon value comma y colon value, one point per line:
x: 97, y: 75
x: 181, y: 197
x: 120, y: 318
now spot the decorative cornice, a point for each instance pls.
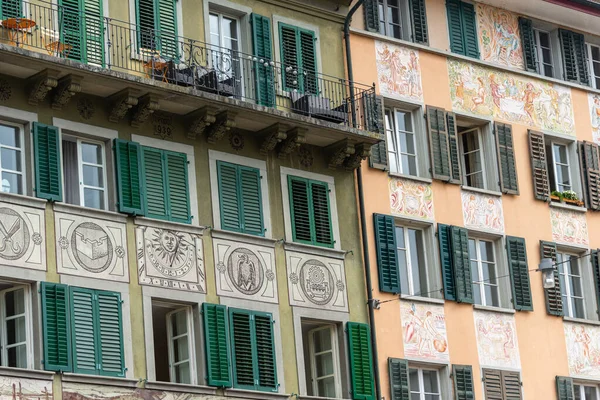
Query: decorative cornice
x: 225, y: 121
x: 68, y: 86
x: 147, y: 104
x: 339, y: 151
x: 271, y: 136
x: 295, y: 138
x: 121, y: 103
x: 199, y: 120
x: 361, y: 152
x: 40, y: 84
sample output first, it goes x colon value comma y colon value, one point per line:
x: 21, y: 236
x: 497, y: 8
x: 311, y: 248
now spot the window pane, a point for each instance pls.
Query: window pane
x: 407, y: 143
x: 15, y: 302
x: 93, y: 176
x: 181, y: 349
x: 17, y: 356
x: 560, y: 153
x: 182, y: 373
x: 9, y: 136
x: 409, y: 164
x: 400, y: 237
x: 472, y: 250
x: 12, y: 183
x: 324, y: 363
x: 596, y: 69
x: 574, y: 265
x: 491, y: 295
x: 430, y: 381
x: 416, y: 257
x: 322, y: 340
x: 414, y: 380
x: 91, y: 153
x: 544, y: 39
x: 403, y: 265
x: 548, y: 70
x: 11, y: 159
x: 576, y: 289
x: 432, y: 397
x: 326, y: 387
x: 93, y: 198
x: 595, y: 53
x: 179, y: 323
x: 214, y: 25
x: 16, y: 330
x: 578, y: 308
x: 590, y: 392
x: 489, y: 272
x: 563, y: 288
x: 415, y: 396
x: 404, y: 121
x: 487, y: 250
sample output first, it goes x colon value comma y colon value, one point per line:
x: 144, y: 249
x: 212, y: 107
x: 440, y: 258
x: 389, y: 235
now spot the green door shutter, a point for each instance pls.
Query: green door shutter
x: 266, y: 364
x: 590, y: 171
x: 71, y: 24
x: 166, y: 26
x: 229, y: 197
x: 575, y: 60
x: 129, y: 179
x: 371, y: 14
x: 564, y: 388
x: 11, y: 9
x: 387, y: 253
x: 57, y: 327
x: 399, y: 382
x: 216, y: 340
x: 361, y: 361
x: 93, y: 26
x: 46, y: 148
x: 300, y: 209
x: 506, y: 158
x: 319, y: 193
x: 459, y: 239
x: 528, y: 44
x: 463, y: 382
x: 537, y: 153
x: 251, y: 201
x: 519, y: 273
x: 290, y: 56
x: 145, y: 10
x: 446, y: 261
x: 177, y: 187
x: 438, y: 143
x: 261, y: 43
x: 83, y: 319
x: 554, y: 304
x: 154, y: 183
x: 419, y: 22
x: 455, y: 30
x: 455, y: 164
x: 469, y: 25
x: 308, y: 54
x: 298, y: 52
x: 110, y: 333
x: 243, y: 349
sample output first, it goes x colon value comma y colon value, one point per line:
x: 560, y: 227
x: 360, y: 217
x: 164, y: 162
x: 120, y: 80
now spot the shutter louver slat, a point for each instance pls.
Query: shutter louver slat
x: 371, y: 14
x: 537, y: 152
x: 590, y: 171
x: 265, y: 81
x: 399, y: 380
x: 506, y: 158
x: 11, y: 9
x: 154, y: 183
x: 110, y: 335
x: 56, y: 326
x: 321, y: 212
x: 463, y: 382
x: 177, y: 182
x: 438, y: 143
x: 519, y: 273
x: 387, y: 253
x: 455, y: 163
x: 446, y: 261
x: 242, y: 348
x: 554, y: 304
x: 564, y: 388
x: 528, y: 44
x: 251, y: 203
x: 216, y: 336
x: 461, y: 264
x: 93, y: 23
x: 129, y: 179
x: 361, y: 360
x: 46, y: 144
x: 419, y: 22
x: 229, y: 196
x: 492, y: 384
x: 265, y: 350
x: 85, y: 350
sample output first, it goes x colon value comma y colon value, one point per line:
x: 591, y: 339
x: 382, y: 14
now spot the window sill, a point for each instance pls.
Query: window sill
x: 100, y: 380
x: 90, y: 212
x: 421, y: 299
x: 493, y: 309
x: 180, y: 387
x: 581, y: 321
x: 564, y: 206
x: 243, y: 237
x: 169, y: 225
x: 26, y: 373
x: 316, y: 250
x: 482, y: 191
x: 410, y: 177
x: 250, y: 394
x: 22, y: 200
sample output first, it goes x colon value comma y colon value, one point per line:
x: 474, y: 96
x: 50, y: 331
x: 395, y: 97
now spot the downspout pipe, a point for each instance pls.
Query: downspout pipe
x: 371, y: 302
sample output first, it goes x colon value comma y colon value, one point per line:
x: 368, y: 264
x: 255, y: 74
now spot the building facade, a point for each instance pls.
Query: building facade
x: 178, y: 212
x: 491, y: 113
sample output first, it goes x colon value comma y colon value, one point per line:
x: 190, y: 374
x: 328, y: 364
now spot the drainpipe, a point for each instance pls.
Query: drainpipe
x: 371, y: 302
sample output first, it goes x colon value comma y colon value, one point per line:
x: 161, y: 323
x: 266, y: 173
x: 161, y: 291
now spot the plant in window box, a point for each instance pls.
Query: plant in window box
x: 556, y: 196
x: 570, y: 197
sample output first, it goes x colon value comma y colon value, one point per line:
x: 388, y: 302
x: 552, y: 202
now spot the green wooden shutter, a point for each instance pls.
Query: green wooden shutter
x: 71, y: 24
x: 463, y: 382
x: 519, y: 273
x: 371, y: 14
x: 11, y: 9
x: 575, y: 60
x: 492, y: 384
x: 145, y: 10
x: 154, y: 183
x: 243, y: 348
x: 399, y: 381
x: 455, y: 163
x: 419, y: 21
x: 554, y: 304
x: 261, y: 43
x: 446, y: 261
x: 290, y: 56
x: 595, y: 260
x: 308, y: 54
x: 438, y: 143
x: 93, y: 26
x: 361, y: 361
x: 581, y: 55
x: 564, y: 388
x: 266, y: 363
x: 110, y: 333
x: 469, y: 25
x: 166, y: 27
x: 216, y: 340
x: 455, y: 30
x: 590, y: 171
x: 57, y: 327
x: 83, y: 319
x: 459, y: 239
x: 319, y: 193
x: 302, y: 228
x: 387, y: 253
x: 374, y: 113
x: 229, y: 197
x: 177, y: 185
x: 251, y: 201
x: 528, y: 44
x: 537, y: 153
x: 511, y: 385
x: 506, y: 158
x: 46, y: 148
x: 129, y: 179
x: 378, y: 158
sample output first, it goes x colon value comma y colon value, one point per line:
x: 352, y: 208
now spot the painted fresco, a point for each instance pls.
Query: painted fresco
x: 78, y: 391
x: 569, y: 227
x: 170, y: 259
x: 482, y: 211
x: 424, y: 331
x: 583, y: 350
x: 411, y: 199
x: 499, y: 40
x: 398, y: 71
x: 316, y: 282
x: 497, y: 343
x: 22, y: 236
x: 594, y: 102
x: 12, y: 388
x: 501, y: 95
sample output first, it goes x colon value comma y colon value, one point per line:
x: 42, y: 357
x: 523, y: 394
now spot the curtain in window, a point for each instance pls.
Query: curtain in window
x: 71, y: 172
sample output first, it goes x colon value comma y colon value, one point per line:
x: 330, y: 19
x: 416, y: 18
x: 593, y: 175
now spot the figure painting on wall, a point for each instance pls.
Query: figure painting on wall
x: 583, y: 352
x: 594, y: 103
x: 398, y: 70
x: 497, y: 340
x: 424, y: 331
x: 411, y: 199
x: 499, y: 39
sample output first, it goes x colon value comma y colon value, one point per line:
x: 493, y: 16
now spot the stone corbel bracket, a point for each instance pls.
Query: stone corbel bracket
x: 147, y: 105
x: 362, y: 151
x: 225, y: 121
x: 295, y: 138
x: 121, y: 103
x: 339, y: 152
x: 40, y: 84
x: 200, y: 120
x: 68, y: 87
x: 272, y: 136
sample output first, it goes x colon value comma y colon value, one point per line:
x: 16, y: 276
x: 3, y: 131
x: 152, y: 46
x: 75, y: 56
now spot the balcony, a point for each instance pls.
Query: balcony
x: 153, y: 62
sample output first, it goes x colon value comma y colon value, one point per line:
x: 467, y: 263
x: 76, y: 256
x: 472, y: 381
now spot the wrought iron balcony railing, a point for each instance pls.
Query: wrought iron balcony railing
x: 103, y: 42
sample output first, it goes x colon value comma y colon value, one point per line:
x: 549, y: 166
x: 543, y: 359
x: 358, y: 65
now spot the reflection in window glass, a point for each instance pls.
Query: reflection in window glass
x: 11, y: 159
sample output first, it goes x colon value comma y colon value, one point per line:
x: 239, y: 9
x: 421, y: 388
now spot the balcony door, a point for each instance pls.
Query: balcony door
x: 81, y: 29
x: 225, y: 47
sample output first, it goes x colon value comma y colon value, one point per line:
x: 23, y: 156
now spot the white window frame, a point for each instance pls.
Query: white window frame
x: 191, y: 343
x: 395, y: 137
x: 81, y: 163
x: 593, y: 76
x: 554, y: 163
x: 408, y: 255
x: 405, y: 20
x: 539, y: 52
x: 580, y: 386
x: 481, y: 284
x: 28, y: 325
x: 334, y: 354
x: 566, y: 267
x: 23, y: 172
x: 482, y: 155
x: 422, y: 393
